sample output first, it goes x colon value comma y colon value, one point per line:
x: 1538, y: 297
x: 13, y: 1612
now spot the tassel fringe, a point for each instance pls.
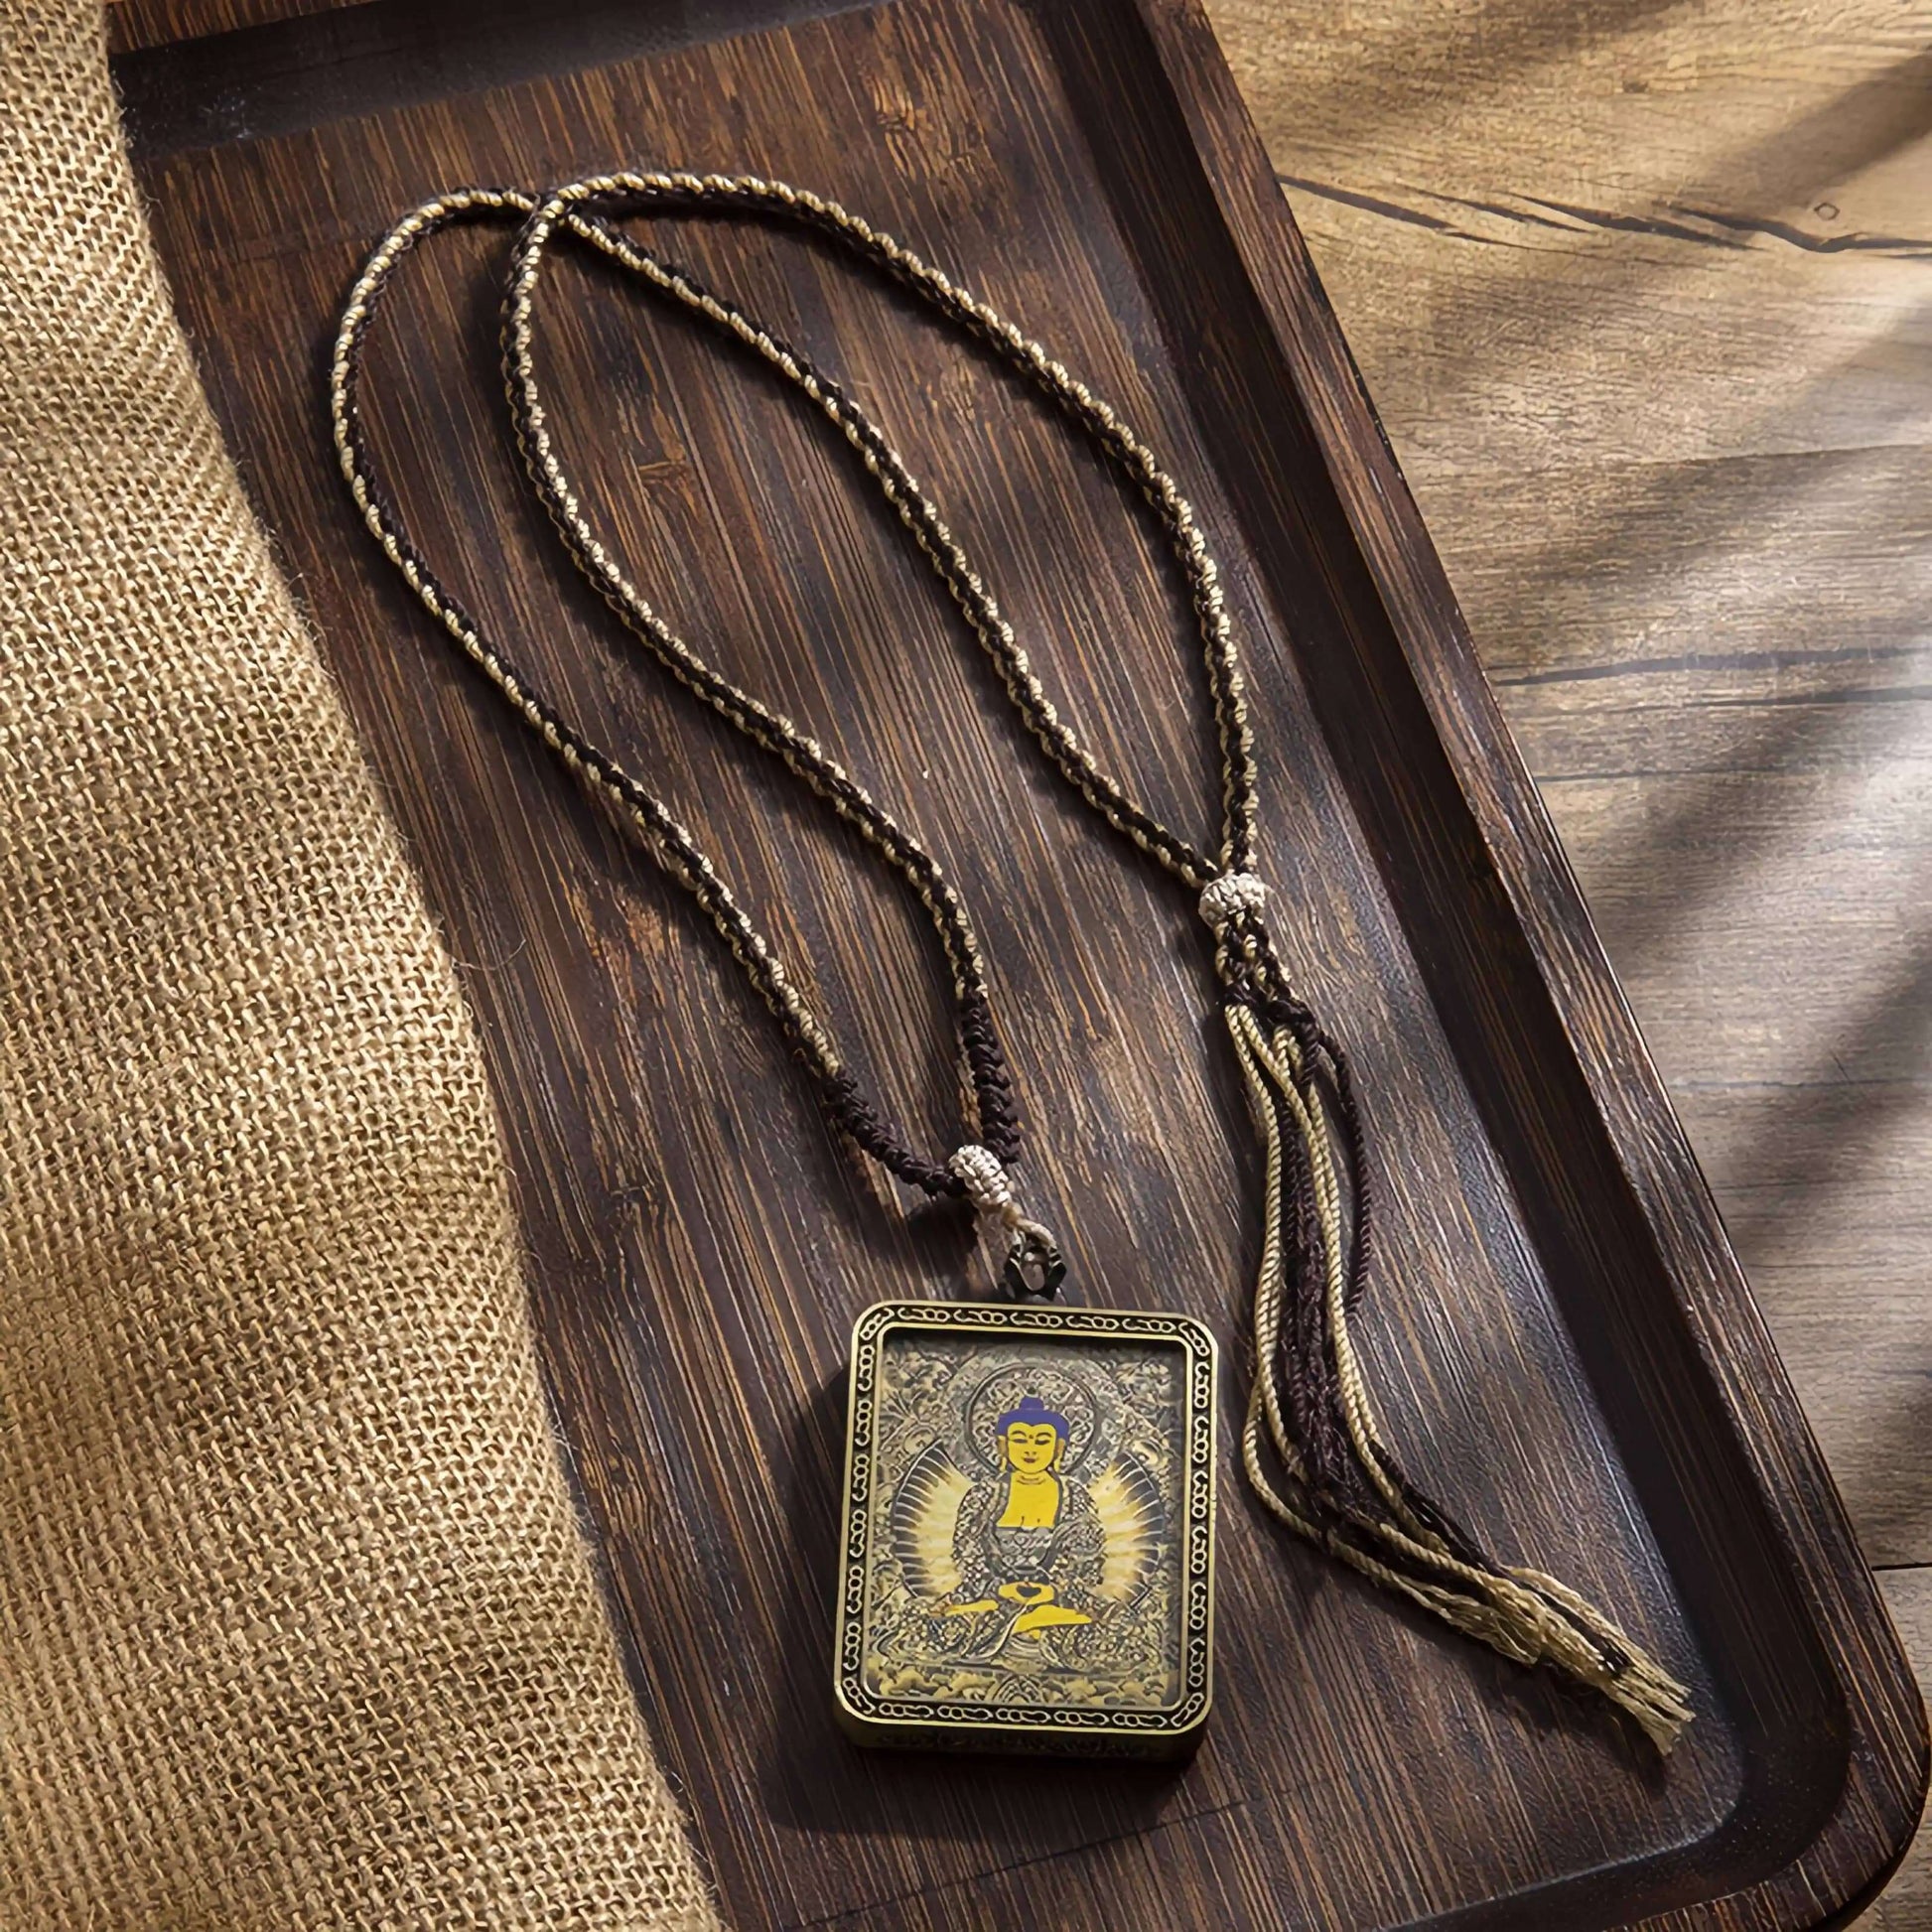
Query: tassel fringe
x: 1332, y: 1477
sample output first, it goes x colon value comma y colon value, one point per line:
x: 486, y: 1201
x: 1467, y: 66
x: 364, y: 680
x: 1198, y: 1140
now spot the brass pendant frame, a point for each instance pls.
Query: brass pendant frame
x: 1109, y: 1653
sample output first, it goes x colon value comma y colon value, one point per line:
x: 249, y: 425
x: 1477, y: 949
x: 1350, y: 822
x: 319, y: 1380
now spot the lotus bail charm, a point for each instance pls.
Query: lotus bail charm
x: 1035, y: 1267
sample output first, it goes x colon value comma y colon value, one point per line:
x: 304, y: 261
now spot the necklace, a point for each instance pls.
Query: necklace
x: 1029, y: 1487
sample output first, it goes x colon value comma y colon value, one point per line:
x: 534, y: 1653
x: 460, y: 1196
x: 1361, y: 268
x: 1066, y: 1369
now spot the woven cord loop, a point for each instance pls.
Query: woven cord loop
x: 1313, y: 1447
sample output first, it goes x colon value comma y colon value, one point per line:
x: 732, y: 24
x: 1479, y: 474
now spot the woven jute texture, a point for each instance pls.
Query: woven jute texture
x: 296, y: 1628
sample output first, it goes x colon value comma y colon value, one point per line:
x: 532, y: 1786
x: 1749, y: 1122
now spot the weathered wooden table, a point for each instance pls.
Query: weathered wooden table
x: 1644, y: 298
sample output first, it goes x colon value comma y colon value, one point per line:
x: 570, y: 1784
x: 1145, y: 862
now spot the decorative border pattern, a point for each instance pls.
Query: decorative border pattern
x: 926, y: 1725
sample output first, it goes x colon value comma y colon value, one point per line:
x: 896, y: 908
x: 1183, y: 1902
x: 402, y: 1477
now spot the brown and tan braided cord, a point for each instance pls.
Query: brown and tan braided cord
x: 1332, y: 1477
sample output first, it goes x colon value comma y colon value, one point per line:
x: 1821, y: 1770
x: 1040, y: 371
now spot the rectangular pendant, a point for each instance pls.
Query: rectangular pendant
x: 1028, y: 1559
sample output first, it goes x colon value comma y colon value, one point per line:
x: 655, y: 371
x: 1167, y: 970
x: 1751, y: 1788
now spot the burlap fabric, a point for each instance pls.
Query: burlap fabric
x: 295, y: 1626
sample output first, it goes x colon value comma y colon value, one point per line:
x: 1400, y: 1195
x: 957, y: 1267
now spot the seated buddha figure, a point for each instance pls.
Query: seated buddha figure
x: 1028, y: 1543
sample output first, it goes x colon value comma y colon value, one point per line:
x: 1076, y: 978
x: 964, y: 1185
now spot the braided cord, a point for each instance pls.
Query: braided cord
x: 993, y: 1122
x: 663, y: 836
x: 1070, y: 398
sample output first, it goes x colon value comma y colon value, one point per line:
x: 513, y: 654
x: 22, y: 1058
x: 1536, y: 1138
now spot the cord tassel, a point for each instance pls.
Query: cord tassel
x: 1333, y: 1479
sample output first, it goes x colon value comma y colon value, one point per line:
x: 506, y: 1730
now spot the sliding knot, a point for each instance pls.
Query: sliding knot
x: 1033, y: 1268
x: 1229, y: 896
x: 988, y: 1186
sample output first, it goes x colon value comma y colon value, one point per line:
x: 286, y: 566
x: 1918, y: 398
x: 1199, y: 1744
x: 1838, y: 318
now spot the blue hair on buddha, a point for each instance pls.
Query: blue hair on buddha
x: 1032, y: 1412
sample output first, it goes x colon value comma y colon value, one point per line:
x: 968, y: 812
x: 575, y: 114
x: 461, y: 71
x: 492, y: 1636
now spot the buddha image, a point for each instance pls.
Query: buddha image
x: 1051, y: 1535
x: 1029, y: 1543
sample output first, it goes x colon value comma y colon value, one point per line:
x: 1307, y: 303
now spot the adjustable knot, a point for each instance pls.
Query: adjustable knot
x: 1034, y: 1267
x: 988, y: 1186
x: 1229, y: 896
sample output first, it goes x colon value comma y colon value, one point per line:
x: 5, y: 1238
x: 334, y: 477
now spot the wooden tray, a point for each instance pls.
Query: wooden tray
x: 1560, y: 1323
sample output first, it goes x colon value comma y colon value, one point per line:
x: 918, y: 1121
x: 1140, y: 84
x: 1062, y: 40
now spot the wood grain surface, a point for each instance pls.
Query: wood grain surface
x: 1644, y: 298
x: 133, y: 24
x: 1561, y: 1330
